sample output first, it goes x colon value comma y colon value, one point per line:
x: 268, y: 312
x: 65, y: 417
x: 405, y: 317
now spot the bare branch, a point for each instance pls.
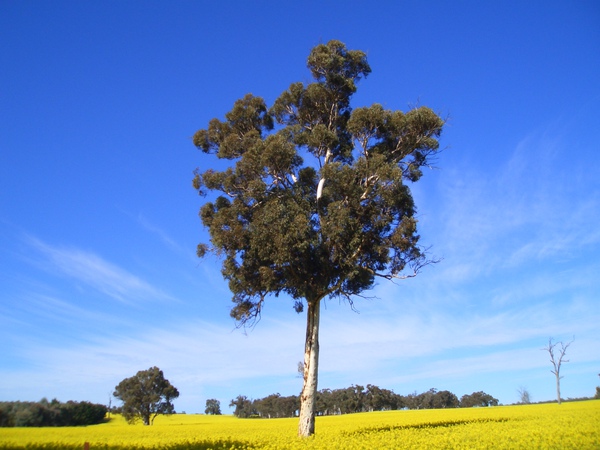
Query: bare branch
x: 557, y: 358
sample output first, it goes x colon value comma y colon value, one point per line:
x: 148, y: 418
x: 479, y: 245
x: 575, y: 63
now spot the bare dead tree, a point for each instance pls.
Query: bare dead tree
x: 557, y: 355
x: 300, y: 369
x: 524, y: 396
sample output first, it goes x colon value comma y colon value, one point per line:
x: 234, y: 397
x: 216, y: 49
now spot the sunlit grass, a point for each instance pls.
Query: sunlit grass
x: 568, y: 426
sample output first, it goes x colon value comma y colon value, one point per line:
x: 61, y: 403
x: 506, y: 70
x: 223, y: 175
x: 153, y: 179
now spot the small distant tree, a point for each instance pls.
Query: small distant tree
x: 412, y: 400
x: 300, y: 369
x: 426, y: 399
x: 557, y: 352
x: 244, y: 407
x: 524, y: 397
x: 146, y: 395
x: 478, y: 399
x: 378, y: 399
x: 445, y: 399
x: 213, y: 406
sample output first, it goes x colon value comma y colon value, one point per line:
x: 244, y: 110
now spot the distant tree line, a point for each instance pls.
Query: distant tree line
x: 50, y: 414
x: 356, y: 399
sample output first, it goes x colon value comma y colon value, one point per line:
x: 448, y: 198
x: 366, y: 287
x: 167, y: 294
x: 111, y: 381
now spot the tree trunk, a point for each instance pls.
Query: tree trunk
x: 308, y: 397
x: 558, y: 388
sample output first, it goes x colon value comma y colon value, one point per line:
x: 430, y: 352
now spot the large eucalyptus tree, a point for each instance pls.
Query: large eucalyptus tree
x: 315, y: 202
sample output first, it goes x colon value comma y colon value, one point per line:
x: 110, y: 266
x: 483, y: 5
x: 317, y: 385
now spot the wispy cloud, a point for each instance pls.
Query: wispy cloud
x: 396, y: 350
x: 163, y: 235
x: 59, y: 312
x: 514, y: 273
x: 395, y: 335
x: 527, y: 210
x: 96, y: 272
x: 193, y: 354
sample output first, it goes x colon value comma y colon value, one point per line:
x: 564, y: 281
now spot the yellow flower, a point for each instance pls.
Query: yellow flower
x: 550, y: 426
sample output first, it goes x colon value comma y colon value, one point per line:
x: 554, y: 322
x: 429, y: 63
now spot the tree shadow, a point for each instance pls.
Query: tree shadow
x: 417, y: 426
x: 209, y: 444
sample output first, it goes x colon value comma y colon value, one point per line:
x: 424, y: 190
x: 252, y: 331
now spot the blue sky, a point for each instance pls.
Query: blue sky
x: 98, y: 218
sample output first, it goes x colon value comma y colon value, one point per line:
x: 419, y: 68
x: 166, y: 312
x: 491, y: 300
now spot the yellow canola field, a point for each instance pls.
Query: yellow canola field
x: 568, y: 426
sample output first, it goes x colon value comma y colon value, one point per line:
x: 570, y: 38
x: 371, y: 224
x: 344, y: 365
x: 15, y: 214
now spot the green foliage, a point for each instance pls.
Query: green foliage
x: 50, y: 414
x: 244, y: 407
x: 355, y: 399
x: 275, y: 406
x: 315, y: 202
x: 213, y: 406
x: 432, y: 399
x: 478, y: 399
x: 146, y: 395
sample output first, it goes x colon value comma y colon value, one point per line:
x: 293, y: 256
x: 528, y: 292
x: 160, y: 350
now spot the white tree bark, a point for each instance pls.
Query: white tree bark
x: 306, y: 426
x: 308, y: 397
x: 557, y: 363
x: 320, y: 188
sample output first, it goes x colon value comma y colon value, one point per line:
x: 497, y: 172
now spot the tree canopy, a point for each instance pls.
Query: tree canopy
x: 51, y: 414
x: 213, y: 407
x: 315, y: 203
x: 355, y: 399
x: 478, y: 399
x: 145, y: 395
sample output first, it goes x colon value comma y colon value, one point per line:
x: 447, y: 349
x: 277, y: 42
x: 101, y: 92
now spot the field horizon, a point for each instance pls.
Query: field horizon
x: 550, y: 425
